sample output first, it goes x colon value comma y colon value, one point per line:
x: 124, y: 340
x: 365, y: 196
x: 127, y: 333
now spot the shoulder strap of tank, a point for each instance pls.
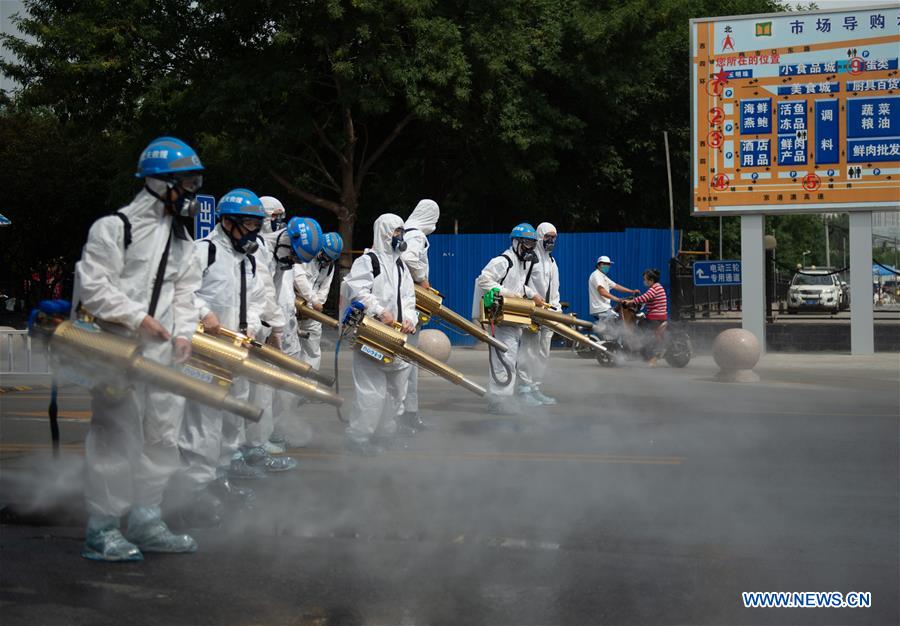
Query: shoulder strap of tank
x: 509, y: 262
x: 126, y: 224
x: 376, y: 264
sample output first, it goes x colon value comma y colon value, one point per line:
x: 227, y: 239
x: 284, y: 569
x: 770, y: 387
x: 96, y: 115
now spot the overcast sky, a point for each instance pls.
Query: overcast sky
x: 7, y: 8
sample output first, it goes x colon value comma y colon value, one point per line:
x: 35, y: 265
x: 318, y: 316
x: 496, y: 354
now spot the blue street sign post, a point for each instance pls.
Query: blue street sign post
x: 205, y: 220
x: 716, y: 273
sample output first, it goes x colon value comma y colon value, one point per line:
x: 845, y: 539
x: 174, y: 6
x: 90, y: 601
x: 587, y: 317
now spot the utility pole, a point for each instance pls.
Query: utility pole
x: 827, y: 245
x: 671, y: 200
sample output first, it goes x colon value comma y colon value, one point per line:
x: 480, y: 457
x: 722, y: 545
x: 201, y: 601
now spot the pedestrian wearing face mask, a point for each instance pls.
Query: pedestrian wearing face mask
x: 600, y: 288
x: 508, y: 275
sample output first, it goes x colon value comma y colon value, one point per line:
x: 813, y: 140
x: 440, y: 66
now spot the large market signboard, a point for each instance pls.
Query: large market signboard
x: 796, y: 112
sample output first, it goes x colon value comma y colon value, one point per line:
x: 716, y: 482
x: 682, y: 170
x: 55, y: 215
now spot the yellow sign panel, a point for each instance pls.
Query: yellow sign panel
x: 796, y: 112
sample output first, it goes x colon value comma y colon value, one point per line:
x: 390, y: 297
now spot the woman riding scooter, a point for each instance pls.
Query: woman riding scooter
x: 657, y: 314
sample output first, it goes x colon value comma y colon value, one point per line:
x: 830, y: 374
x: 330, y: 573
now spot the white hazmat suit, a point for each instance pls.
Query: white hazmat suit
x: 131, y: 449
x: 210, y: 436
x: 508, y: 273
x: 257, y: 434
x: 312, y: 282
x: 421, y: 223
x: 379, y: 387
x: 534, y: 349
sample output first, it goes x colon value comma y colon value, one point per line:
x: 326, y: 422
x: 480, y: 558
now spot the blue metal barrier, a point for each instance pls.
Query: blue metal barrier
x: 456, y: 260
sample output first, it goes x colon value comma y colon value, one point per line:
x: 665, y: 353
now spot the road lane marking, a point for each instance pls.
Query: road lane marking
x: 432, y: 456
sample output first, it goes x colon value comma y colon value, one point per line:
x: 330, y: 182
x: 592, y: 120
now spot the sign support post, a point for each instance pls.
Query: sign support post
x: 753, y: 275
x: 862, y: 320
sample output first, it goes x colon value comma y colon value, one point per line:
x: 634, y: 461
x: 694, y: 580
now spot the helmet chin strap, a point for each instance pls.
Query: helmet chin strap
x: 284, y: 262
x: 185, y: 205
x: 525, y: 254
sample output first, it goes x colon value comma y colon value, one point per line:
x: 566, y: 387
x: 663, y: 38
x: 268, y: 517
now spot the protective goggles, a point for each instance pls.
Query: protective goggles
x: 189, y: 182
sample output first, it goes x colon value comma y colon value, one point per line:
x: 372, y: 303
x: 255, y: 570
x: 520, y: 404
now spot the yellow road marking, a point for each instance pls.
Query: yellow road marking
x: 79, y: 415
x: 426, y: 455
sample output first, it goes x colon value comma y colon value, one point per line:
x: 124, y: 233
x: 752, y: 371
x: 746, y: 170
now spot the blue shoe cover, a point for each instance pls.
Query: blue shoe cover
x: 542, y: 397
x: 104, y: 542
x: 259, y: 458
x: 147, y: 530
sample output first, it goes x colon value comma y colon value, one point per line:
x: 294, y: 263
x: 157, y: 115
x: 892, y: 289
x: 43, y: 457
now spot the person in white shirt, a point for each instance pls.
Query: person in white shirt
x: 600, y: 288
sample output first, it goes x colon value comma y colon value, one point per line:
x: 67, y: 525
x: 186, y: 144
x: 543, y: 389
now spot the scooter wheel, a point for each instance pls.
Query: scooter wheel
x: 679, y: 351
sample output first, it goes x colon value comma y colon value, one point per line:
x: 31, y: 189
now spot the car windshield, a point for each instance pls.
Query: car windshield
x: 813, y: 279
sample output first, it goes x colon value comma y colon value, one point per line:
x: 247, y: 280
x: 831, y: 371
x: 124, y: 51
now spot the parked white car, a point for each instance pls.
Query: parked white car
x: 816, y: 290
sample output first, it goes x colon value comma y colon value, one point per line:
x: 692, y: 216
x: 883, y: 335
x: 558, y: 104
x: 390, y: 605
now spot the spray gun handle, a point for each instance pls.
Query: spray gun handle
x: 352, y: 312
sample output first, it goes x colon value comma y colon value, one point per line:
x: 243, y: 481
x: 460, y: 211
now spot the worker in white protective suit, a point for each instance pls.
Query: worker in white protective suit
x: 534, y: 349
x: 420, y: 223
x: 231, y: 295
x: 279, y: 326
x: 312, y: 282
x: 289, y: 249
x: 136, y: 272
x: 507, y: 275
x: 276, y: 216
x: 380, y: 282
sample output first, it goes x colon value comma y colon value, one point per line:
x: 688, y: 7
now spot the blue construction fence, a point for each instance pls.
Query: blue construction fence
x: 456, y: 260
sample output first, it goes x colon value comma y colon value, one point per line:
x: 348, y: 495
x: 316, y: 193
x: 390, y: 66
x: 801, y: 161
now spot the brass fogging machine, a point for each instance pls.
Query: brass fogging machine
x: 304, y: 311
x: 275, y: 357
x: 512, y: 311
x: 386, y: 343
x: 229, y: 358
x: 430, y: 303
x: 74, y: 342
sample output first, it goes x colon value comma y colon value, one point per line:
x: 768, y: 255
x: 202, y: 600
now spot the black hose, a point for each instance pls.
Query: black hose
x: 53, y: 413
x: 506, y: 366
x: 337, y: 381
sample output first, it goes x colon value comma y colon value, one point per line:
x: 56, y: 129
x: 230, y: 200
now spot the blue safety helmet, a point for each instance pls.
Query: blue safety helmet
x: 167, y: 155
x: 306, y: 237
x: 332, y: 246
x: 524, y: 231
x: 240, y: 203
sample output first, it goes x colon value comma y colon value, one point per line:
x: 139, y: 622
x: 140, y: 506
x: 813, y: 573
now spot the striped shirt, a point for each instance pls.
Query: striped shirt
x: 655, y: 299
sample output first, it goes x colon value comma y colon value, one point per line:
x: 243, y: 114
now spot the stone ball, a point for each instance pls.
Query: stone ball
x: 435, y: 344
x: 736, y: 349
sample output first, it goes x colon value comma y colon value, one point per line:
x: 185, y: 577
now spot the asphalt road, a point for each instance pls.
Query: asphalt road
x: 645, y: 497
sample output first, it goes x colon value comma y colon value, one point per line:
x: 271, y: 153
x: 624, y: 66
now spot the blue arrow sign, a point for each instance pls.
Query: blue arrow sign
x: 205, y: 220
x: 714, y: 273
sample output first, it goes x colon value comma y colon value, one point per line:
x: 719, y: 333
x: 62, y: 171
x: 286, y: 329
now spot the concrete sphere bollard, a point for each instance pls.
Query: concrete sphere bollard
x: 736, y: 352
x: 435, y: 344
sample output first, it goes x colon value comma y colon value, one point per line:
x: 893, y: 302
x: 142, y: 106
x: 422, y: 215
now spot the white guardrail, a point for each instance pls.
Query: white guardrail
x: 18, y: 355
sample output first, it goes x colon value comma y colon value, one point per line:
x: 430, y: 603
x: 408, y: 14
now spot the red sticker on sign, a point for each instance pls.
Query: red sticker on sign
x: 811, y: 182
x: 721, y: 182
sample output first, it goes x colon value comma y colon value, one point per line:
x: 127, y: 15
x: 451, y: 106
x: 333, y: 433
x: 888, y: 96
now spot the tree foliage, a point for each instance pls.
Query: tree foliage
x: 501, y: 110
